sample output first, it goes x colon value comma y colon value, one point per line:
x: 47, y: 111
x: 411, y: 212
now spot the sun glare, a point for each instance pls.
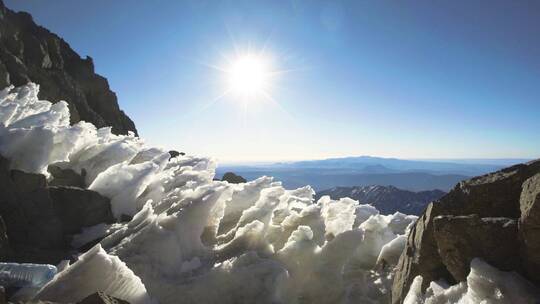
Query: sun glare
x: 248, y: 76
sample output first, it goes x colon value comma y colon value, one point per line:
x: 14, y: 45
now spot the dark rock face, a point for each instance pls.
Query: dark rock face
x: 101, y: 298
x: 34, y: 231
x: 387, y: 199
x: 492, y: 195
x: 233, y: 178
x: 78, y: 208
x: 65, y: 177
x: 174, y: 153
x: 5, y: 250
x: 30, y: 53
x: 39, y: 220
x: 530, y: 227
x: 462, y: 238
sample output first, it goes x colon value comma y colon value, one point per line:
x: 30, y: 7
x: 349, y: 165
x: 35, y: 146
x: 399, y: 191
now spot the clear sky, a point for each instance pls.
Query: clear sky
x: 408, y: 79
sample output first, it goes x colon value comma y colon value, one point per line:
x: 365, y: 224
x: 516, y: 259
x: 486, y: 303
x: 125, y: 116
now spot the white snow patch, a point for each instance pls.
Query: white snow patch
x: 94, y: 271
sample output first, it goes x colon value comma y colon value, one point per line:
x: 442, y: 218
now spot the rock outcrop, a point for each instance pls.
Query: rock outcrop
x: 461, y: 238
x: 530, y: 227
x: 461, y: 226
x: 30, y: 53
x: 39, y: 220
x: 78, y: 208
x: 233, y: 178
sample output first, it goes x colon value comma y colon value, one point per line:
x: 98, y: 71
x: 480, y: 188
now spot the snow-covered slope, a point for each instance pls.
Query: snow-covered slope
x: 195, y: 240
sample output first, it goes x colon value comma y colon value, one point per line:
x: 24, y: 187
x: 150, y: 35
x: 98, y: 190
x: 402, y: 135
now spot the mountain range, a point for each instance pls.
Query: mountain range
x: 412, y: 175
x: 387, y: 199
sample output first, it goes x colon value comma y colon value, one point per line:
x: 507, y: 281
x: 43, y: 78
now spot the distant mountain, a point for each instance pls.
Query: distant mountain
x: 388, y: 199
x: 370, y: 164
x: 413, y: 175
x: 321, y: 179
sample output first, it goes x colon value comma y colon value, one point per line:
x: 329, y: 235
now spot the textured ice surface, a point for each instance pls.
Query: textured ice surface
x: 196, y: 240
x: 94, y: 271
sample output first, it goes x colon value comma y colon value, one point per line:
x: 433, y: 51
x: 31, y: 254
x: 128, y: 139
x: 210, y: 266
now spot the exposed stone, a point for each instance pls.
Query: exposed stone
x: 492, y: 195
x: 174, y: 153
x: 5, y: 250
x: 78, y: 208
x: 233, y: 178
x: 101, y: 298
x: 530, y: 227
x: 40, y: 219
x: 29, y: 52
x: 27, y: 210
x: 65, y: 177
x: 420, y: 257
x: 462, y: 238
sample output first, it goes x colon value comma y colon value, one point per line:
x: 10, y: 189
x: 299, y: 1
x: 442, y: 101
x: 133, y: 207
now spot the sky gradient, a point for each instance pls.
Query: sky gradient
x: 407, y: 79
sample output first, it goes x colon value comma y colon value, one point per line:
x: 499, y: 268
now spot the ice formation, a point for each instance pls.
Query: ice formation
x: 94, y: 271
x: 196, y: 240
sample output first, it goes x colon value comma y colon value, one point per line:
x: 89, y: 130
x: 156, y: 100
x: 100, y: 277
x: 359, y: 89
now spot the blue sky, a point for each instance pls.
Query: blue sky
x: 408, y: 79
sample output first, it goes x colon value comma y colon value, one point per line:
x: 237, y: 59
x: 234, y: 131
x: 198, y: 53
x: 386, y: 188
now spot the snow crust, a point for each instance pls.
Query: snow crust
x: 196, y: 240
x: 94, y: 271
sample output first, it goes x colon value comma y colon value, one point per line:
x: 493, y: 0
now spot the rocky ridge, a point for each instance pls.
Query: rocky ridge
x: 494, y: 217
x: 387, y: 199
x: 31, y: 53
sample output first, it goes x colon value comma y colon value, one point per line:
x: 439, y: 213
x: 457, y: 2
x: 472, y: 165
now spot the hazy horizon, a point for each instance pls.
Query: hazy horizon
x: 478, y: 161
x: 407, y: 80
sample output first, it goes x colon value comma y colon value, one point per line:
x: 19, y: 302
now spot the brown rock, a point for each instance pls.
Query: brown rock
x: 492, y: 195
x: 462, y: 238
x: 530, y: 227
x: 420, y: 257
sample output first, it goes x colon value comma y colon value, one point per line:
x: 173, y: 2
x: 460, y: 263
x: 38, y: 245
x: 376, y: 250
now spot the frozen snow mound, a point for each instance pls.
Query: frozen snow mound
x: 94, y: 271
x: 195, y: 240
x: 485, y: 284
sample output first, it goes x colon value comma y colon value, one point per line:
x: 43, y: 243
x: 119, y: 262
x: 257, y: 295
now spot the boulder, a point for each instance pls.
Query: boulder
x: 27, y: 209
x: 460, y: 239
x: 101, y: 298
x: 78, y: 208
x: 420, y: 257
x: 65, y: 177
x: 233, y: 178
x: 530, y: 227
x: 39, y: 220
x: 174, y: 153
x: 492, y: 195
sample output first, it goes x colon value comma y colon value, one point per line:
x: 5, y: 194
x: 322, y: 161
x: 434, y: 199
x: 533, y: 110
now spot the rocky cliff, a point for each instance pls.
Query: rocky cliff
x: 30, y: 53
x: 494, y: 217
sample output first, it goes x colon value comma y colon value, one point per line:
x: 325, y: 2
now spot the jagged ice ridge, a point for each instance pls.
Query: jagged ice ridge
x: 195, y: 240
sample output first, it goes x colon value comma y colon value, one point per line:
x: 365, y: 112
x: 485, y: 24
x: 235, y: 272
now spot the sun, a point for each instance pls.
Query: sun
x: 248, y: 76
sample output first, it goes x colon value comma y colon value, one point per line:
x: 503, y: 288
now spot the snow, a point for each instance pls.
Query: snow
x: 94, y: 271
x: 195, y: 240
